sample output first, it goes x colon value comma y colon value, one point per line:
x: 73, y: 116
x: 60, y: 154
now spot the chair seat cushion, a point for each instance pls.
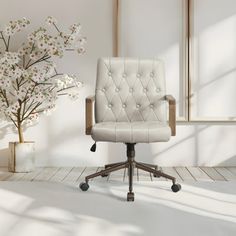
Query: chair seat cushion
x: 131, y: 132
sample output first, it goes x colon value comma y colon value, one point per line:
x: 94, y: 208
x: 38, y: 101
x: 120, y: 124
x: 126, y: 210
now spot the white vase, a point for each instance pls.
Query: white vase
x: 22, y: 156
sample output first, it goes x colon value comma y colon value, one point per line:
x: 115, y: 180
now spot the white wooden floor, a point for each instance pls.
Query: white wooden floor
x: 74, y: 175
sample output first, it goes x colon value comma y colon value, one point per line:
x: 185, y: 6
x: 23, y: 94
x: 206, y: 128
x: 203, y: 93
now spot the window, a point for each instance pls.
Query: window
x: 213, y: 77
x: 197, y: 41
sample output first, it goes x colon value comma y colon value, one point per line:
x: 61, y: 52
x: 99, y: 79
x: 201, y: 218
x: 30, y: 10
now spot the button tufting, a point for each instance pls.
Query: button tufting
x: 124, y: 75
x: 124, y: 105
x: 152, y: 74
x: 131, y: 90
x: 138, y: 75
x: 117, y: 89
x: 158, y: 90
x: 104, y: 90
x: 151, y: 106
x: 138, y: 105
x: 109, y: 73
x: 110, y: 105
x: 144, y: 90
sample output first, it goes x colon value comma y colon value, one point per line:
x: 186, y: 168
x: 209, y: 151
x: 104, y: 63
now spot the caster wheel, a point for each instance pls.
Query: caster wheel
x: 84, y: 186
x: 104, y: 175
x: 175, y: 188
x: 130, y: 197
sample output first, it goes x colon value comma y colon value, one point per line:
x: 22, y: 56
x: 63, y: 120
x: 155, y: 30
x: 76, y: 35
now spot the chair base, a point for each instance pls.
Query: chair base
x: 155, y: 167
x: 130, y: 164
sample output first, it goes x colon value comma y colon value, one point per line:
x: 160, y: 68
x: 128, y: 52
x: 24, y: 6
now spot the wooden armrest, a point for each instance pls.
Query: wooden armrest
x: 89, y: 114
x: 172, y: 113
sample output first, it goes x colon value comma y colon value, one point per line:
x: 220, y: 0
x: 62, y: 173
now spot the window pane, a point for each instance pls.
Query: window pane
x: 214, y: 60
x: 155, y: 29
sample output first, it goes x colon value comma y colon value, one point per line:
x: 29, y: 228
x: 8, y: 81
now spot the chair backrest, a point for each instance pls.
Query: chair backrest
x: 129, y: 90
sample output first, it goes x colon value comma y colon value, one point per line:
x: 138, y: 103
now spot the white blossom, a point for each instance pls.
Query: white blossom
x: 10, y: 57
x: 29, y: 82
x: 75, y: 28
x: 21, y: 93
x: 51, y: 20
x: 5, y: 82
x: 15, y: 26
x: 81, y: 50
x: 33, y: 118
x: 73, y: 95
x: 48, y: 111
x: 82, y: 40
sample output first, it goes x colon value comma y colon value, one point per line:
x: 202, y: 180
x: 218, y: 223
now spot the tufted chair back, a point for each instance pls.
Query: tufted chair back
x: 129, y: 90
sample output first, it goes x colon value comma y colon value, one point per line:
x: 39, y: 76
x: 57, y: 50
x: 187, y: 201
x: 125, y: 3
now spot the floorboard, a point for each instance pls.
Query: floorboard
x: 199, y: 174
x: 46, y: 174
x: 5, y: 175
x: 61, y: 174
x: 171, y: 171
x: 213, y: 174
x: 75, y: 175
x: 31, y: 175
x: 232, y: 170
x: 184, y: 174
x: 15, y: 176
x: 228, y: 175
x: 87, y: 171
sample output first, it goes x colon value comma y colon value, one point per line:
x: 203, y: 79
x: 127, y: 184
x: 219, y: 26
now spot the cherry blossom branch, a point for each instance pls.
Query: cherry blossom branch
x: 3, y: 38
x: 57, y: 28
x: 44, y: 58
x: 26, y: 110
x: 23, y: 61
x: 5, y: 96
x: 69, y: 36
x: 8, y: 43
x: 60, y: 90
x: 32, y: 48
x: 30, y: 113
x: 14, y: 122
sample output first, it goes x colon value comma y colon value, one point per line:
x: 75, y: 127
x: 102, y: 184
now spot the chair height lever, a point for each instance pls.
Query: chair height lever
x: 93, y: 148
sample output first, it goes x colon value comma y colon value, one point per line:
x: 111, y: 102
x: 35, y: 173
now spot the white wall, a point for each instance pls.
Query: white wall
x: 154, y: 29
x: 214, y: 49
x: 60, y: 138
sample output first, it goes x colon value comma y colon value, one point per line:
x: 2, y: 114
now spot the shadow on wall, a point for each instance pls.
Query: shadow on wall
x: 4, y: 152
x: 194, y: 150
x: 65, y: 144
x: 117, y: 152
x: 194, y: 145
x: 145, y: 152
x: 230, y: 161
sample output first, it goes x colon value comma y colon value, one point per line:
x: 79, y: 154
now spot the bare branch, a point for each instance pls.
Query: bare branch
x: 3, y: 38
x: 31, y: 112
x: 8, y: 42
x: 56, y: 28
x: 44, y: 58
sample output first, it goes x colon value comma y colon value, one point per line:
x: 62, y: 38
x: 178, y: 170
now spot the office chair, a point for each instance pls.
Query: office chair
x: 130, y: 108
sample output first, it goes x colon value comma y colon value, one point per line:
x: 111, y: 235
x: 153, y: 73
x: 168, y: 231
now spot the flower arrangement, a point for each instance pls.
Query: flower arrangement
x: 29, y: 81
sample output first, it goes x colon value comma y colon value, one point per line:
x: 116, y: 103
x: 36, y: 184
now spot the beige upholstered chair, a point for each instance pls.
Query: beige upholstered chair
x: 130, y: 107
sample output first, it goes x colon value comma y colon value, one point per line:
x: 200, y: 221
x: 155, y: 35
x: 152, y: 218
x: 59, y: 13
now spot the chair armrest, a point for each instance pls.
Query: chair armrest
x: 172, y: 113
x: 89, y: 114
